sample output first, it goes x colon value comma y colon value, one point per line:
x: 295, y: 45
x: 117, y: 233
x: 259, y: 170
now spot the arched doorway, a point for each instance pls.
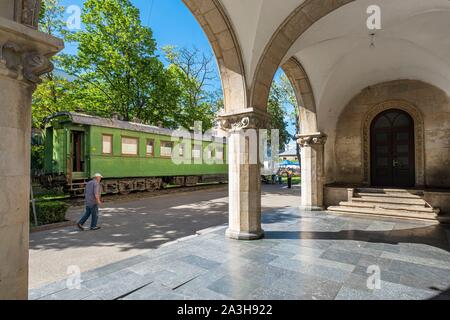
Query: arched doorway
x: 392, y: 149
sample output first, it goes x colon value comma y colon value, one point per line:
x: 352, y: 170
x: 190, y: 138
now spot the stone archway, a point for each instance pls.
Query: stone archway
x: 304, y: 93
x: 303, y: 17
x: 419, y: 134
x: 215, y: 23
x: 311, y: 141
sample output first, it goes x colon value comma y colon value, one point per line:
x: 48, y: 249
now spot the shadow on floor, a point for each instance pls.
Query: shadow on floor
x: 147, y: 224
x: 139, y: 225
x: 281, y: 215
x: 443, y: 295
x: 434, y: 235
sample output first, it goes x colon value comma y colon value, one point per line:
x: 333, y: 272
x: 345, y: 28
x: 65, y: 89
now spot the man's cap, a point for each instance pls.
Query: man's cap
x: 98, y: 175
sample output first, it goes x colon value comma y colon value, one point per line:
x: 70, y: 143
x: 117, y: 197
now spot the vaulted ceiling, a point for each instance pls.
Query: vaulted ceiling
x: 414, y: 43
x: 255, y: 21
x: 335, y: 50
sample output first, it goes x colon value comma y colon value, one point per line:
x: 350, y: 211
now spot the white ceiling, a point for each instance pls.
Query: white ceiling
x: 255, y: 21
x: 414, y: 43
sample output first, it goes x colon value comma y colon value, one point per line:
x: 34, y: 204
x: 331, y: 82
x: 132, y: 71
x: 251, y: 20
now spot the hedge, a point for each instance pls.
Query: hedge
x: 49, y: 212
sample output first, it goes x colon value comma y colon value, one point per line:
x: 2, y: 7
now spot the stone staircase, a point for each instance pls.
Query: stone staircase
x: 389, y: 202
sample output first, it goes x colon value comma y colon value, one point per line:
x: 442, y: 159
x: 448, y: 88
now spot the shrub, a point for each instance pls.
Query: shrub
x: 49, y: 212
x: 37, y: 158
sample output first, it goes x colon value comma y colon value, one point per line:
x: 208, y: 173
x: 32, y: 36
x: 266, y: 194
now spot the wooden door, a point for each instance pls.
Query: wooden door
x: 77, y: 151
x: 392, y: 150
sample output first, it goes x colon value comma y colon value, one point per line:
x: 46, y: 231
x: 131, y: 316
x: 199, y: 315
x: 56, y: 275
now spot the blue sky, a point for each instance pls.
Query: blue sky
x: 170, y: 20
x: 172, y: 24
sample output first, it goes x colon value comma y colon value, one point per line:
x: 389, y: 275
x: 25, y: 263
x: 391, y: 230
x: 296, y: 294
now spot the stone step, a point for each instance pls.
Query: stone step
x: 444, y: 218
x: 390, y: 200
x: 389, y: 191
x: 388, y: 195
x: 385, y: 213
x: 413, y: 208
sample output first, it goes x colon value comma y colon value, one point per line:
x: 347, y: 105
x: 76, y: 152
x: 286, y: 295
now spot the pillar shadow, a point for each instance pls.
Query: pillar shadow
x: 434, y: 235
x: 443, y: 295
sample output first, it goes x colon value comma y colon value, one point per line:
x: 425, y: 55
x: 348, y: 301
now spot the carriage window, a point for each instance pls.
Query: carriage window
x: 166, y: 149
x: 181, y: 145
x: 209, y: 154
x: 197, y: 151
x: 130, y: 146
x: 219, y: 153
x: 150, y: 147
x: 107, y: 144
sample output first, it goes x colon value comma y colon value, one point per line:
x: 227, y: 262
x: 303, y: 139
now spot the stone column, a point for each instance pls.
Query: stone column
x: 244, y: 173
x: 24, y: 56
x: 312, y: 170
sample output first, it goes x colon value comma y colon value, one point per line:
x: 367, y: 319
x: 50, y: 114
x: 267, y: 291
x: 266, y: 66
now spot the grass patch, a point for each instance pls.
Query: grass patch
x: 295, y: 180
x: 47, y: 197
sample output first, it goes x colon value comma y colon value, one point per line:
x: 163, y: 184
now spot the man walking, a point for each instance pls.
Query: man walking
x: 92, y: 199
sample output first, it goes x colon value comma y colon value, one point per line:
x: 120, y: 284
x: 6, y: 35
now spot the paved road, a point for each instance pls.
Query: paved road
x: 131, y: 227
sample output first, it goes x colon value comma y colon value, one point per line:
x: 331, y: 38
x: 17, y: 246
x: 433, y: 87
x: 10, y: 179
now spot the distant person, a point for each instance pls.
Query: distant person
x: 290, y: 180
x: 92, y: 199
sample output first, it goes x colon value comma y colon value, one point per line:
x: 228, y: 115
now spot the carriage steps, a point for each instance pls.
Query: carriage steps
x: 397, y: 203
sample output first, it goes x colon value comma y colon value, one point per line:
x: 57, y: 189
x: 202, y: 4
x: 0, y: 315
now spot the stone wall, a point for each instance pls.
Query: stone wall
x: 7, y: 9
x: 334, y: 195
x: 432, y: 104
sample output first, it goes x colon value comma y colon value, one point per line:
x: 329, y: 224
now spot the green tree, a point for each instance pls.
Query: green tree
x: 117, y: 68
x: 290, y: 98
x: 51, y: 17
x: 55, y: 93
x: 277, y: 112
x: 195, y: 74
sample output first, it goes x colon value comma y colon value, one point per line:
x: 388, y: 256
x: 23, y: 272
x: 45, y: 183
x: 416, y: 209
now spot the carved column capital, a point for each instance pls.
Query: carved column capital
x: 25, y: 53
x: 308, y: 140
x: 35, y: 65
x: 248, y: 119
x: 19, y: 63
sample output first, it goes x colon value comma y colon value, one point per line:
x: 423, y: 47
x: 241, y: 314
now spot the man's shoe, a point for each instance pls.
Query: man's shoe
x: 95, y: 229
x: 80, y: 227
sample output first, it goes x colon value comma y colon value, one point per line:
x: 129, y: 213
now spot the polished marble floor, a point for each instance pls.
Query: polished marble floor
x: 305, y: 255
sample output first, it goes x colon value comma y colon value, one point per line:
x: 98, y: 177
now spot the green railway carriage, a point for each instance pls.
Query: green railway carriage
x: 130, y: 156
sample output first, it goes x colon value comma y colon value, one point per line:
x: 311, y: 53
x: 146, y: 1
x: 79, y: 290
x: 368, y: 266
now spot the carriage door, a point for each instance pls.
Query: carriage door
x: 77, y: 151
x: 392, y: 150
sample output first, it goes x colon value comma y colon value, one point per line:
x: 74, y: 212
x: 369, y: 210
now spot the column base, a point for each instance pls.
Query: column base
x: 239, y: 235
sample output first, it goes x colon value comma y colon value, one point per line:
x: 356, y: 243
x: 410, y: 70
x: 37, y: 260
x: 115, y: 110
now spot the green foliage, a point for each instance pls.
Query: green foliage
x: 37, y: 158
x: 116, y: 65
x: 289, y: 97
x: 49, y: 212
x: 277, y: 112
x: 51, y: 17
x: 53, y: 95
x: 52, y: 194
x: 194, y: 74
x: 116, y: 71
x: 296, y: 180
